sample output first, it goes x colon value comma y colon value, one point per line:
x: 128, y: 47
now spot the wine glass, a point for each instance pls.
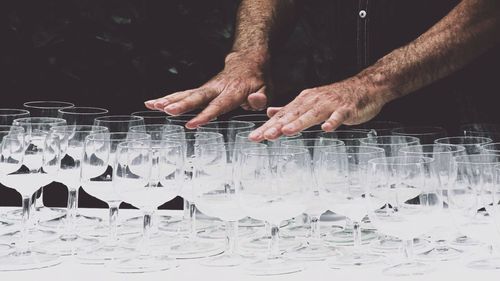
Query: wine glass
x: 314, y: 249
x: 36, y: 125
x: 152, y: 117
x: 274, y: 187
x: 487, y: 130
x: 341, y: 177
x: 443, y: 156
x: 490, y: 148
x: 81, y: 115
x: 42, y: 161
x: 72, y: 139
x: 257, y: 119
x: 148, y: 174
x: 403, y: 204
x: 157, y: 131
x: 182, y: 120
x: 382, y: 128
x: 472, y: 144
x: 8, y: 115
x: 228, y: 129
x: 192, y: 246
x: 425, y: 134
x: 119, y: 123
x: 475, y: 188
x: 214, y: 194
x: 349, y: 137
x: 46, y: 108
x: 99, y: 157
x: 390, y: 144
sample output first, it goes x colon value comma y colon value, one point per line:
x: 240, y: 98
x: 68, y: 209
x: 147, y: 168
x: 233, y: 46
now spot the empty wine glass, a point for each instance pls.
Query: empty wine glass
x: 490, y: 148
x: 274, y: 187
x: 425, y: 134
x: 182, y: 120
x: 382, y: 128
x: 72, y: 139
x: 341, y: 176
x: 119, y: 123
x: 157, y: 131
x: 486, y: 130
x: 42, y: 162
x: 472, y: 144
x: 152, y: 117
x: 257, y: 119
x: 99, y: 157
x: 8, y: 115
x: 390, y: 144
x: 149, y: 173
x: 37, y: 125
x: 46, y: 108
x: 81, y: 115
x: 474, y: 189
x: 349, y: 137
x: 402, y: 204
x: 314, y: 249
x: 443, y: 156
x: 228, y: 129
x: 192, y: 246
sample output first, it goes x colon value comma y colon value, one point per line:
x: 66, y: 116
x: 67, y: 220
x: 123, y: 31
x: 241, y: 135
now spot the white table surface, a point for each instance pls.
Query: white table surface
x: 71, y: 270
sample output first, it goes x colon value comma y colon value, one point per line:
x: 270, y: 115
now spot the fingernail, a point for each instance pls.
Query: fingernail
x: 271, y: 132
x: 149, y: 102
x: 289, y: 128
x: 254, y: 135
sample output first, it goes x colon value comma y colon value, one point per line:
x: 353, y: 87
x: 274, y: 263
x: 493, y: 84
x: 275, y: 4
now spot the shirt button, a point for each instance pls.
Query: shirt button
x: 362, y: 14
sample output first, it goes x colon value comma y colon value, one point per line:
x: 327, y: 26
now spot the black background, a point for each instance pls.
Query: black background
x: 118, y: 53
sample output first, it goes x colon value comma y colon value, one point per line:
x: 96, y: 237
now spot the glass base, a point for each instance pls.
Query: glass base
x: 70, y: 245
x: 41, y: 214
x: 250, y: 222
x: 305, y: 231
x: 259, y: 246
x: 158, y: 220
x: 195, y: 249
x: 441, y: 253
x: 27, y: 260
x: 224, y: 260
x: 220, y: 232
x: 143, y: 264
x: 103, y: 231
x: 4, y: 248
x: 34, y: 236
x: 391, y: 245
x: 465, y: 241
x: 105, y: 253
x: 313, y: 252
x: 354, y: 258
x: 408, y: 269
x: 184, y: 226
x: 275, y: 266
x: 345, y: 237
x: 81, y: 222
x: 490, y: 263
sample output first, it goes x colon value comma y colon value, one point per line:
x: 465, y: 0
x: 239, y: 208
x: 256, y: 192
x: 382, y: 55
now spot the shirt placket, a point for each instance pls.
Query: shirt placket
x: 362, y: 34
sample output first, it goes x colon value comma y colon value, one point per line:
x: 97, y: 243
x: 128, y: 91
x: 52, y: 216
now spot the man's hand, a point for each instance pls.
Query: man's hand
x: 352, y: 101
x: 242, y: 82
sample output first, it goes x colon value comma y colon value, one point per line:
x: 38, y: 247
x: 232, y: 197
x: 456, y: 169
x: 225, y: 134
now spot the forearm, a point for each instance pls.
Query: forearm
x: 259, y: 25
x: 465, y: 33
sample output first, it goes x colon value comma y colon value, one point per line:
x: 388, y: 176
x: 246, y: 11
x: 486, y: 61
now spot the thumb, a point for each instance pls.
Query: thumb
x: 258, y: 100
x: 271, y: 111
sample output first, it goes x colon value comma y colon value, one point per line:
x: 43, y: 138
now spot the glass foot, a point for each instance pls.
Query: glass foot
x: 105, y: 253
x: 276, y: 266
x: 465, y: 241
x: 304, y: 231
x: 391, y: 245
x: 138, y: 221
x: 26, y: 260
x: 442, y: 253
x: 313, y: 252
x: 41, y: 214
x: 103, y: 231
x: 183, y: 227
x: 259, y: 246
x: 490, y: 263
x: 70, y: 245
x: 143, y: 263
x: 249, y: 222
x: 81, y: 222
x: 408, y: 269
x: 224, y: 260
x: 4, y: 248
x: 189, y: 249
x: 351, y: 258
x: 34, y: 236
x: 345, y: 237
x: 220, y: 232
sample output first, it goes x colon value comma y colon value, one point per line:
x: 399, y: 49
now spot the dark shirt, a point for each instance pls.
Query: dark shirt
x: 336, y: 39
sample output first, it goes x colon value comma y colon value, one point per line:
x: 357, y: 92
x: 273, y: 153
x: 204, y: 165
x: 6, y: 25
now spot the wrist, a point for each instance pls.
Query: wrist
x: 379, y: 85
x: 256, y: 59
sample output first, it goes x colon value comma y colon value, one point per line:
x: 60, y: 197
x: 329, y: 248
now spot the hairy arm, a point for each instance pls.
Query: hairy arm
x: 242, y: 82
x: 469, y: 30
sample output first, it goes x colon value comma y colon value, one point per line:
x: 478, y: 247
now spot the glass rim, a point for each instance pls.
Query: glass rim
x: 437, y: 130
x: 79, y: 128
x: 8, y: 128
x: 385, y: 160
x: 353, y: 130
x: 150, y: 143
x: 63, y: 104
x: 212, y: 134
x: 109, y: 118
x: 373, y: 148
x: 154, y: 125
x: 39, y: 120
x: 412, y: 138
x: 224, y: 146
x: 249, y: 115
x: 484, y: 146
x: 257, y: 151
x: 439, y: 141
x: 109, y: 139
x: 337, y: 141
x: 282, y: 137
x: 458, y: 147
x: 73, y: 110
x: 245, y: 125
x: 466, y: 159
x: 149, y: 114
x: 15, y: 112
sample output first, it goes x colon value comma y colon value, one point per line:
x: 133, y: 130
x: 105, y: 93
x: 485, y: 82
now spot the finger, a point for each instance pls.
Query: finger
x: 150, y: 104
x: 258, y: 100
x: 272, y: 129
x: 245, y: 106
x: 311, y: 117
x: 161, y: 103
x: 225, y: 102
x: 196, y: 99
x: 335, y: 120
x: 271, y: 111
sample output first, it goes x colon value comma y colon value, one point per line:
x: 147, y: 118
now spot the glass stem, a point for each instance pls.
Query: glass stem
x: 274, y: 245
x: 185, y: 209
x: 356, y: 235
x: 146, y: 232
x: 26, y: 205
x: 39, y: 199
x: 315, y: 229
x: 113, y: 221
x: 231, y: 237
x: 192, y: 221
x: 408, y: 250
x: 71, y: 212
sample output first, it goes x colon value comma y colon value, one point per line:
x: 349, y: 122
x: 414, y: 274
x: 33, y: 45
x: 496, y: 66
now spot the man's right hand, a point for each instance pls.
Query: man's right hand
x: 241, y: 83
